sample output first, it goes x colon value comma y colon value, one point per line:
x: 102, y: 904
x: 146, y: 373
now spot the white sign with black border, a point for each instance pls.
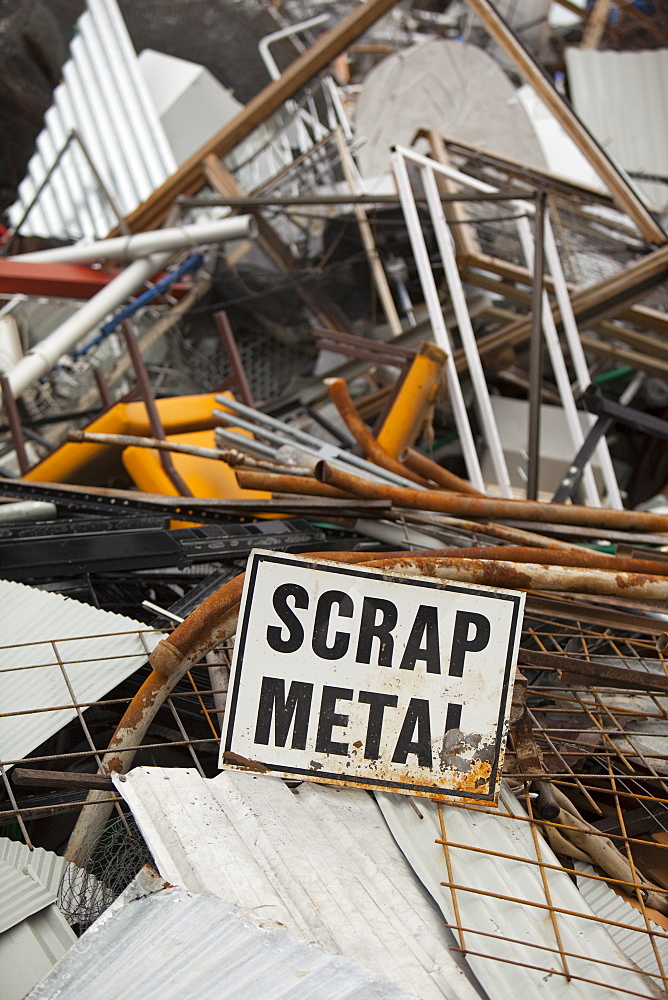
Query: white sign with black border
x: 353, y: 676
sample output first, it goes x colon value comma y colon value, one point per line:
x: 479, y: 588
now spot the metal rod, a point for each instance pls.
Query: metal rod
x: 536, y: 351
x: 15, y: 428
x: 233, y: 356
x: 106, y: 398
x: 271, y: 201
x: 155, y: 422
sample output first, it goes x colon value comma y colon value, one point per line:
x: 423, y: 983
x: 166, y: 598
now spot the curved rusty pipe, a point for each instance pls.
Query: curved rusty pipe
x: 215, y: 621
x: 212, y: 623
x: 337, y: 390
x: 486, y: 507
x: 426, y: 467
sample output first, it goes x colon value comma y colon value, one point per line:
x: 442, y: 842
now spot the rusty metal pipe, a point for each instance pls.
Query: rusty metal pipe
x: 212, y: 623
x: 531, y: 576
x: 428, y: 469
x: 583, y: 558
x: 521, y: 510
x: 337, y: 390
x: 516, y: 535
x: 272, y: 482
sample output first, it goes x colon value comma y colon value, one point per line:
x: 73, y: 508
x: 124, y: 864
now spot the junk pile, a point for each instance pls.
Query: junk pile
x: 400, y: 319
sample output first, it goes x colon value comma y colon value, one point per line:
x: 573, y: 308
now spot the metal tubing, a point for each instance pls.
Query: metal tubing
x: 426, y: 467
x: 273, y: 482
x: 337, y: 390
x: 521, y: 510
x: 280, y: 433
x: 154, y: 420
x: 238, y: 227
x: 583, y: 558
x: 45, y: 355
x: 447, y: 252
x: 436, y: 318
x: 232, y: 351
x: 243, y: 442
x: 536, y: 351
x: 15, y: 428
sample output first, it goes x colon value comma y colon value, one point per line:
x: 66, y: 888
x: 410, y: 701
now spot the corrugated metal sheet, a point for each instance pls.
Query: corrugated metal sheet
x: 47, y: 640
x: 607, y: 904
x: 33, y: 932
x: 622, y: 97
x: 320, y: 861
x: 21, y: 895
x: 512, y: 930
x: 65, y: 881
x: 219, y: 952
x: 104, y: 98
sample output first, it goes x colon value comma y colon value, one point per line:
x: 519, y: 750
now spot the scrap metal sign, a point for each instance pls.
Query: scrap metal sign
x: 349, y: 675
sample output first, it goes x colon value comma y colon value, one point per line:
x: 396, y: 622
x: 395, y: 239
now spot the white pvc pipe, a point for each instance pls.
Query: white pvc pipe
x: 436, y: 319
x: 237, y: 227
x: 469, y: 343
x: 44, y: 356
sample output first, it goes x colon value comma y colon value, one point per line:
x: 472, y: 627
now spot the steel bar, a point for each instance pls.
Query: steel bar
x: 232, y: 351
x: 15, y: 428
x: 536, y: 351
x: 596, y: 672
x: 314, y: 200
x: 272, y: 482
x: 487, y: 529
x: 638, y: 419
x: 574, y: 472
x: 154, y: 420
x: 281, y: 433
x: 34, y: 778
x: 493, y: 507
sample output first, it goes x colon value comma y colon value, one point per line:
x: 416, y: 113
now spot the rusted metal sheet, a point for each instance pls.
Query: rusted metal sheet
x: 349, y: 675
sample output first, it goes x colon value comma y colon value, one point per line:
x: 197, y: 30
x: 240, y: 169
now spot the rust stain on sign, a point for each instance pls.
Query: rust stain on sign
x: 352, y: 676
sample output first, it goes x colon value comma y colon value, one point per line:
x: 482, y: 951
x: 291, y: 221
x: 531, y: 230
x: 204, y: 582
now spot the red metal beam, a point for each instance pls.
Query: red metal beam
x: 70, y: 281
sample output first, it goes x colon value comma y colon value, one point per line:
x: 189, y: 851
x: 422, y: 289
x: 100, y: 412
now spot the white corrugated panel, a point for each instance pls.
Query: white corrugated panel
x: 56, y: 652
x: 33, y: 932
x: 496, y: 891
x: 319, y: 861
x: 622, y: 98
x: 158, y: 942
x: 637, y: 944
x: 104, y: 98
x: 21, y: 895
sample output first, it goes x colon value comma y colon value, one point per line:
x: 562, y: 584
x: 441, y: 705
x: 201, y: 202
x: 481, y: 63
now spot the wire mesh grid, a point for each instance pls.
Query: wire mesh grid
x: 587, y: 737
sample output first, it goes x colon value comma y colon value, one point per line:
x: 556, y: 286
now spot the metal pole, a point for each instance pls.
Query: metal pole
x: 232, y: 351
x: 155, y: 422
x: 15, y: 428
x: 536, y: 350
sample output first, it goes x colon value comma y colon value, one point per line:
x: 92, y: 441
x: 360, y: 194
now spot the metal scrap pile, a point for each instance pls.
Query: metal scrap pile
x: 399, y: 315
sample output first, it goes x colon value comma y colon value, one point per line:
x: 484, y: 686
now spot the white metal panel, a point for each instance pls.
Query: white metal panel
x: 46, y: 641
x: 637, y: 944
x: 21, y: 895
x: 512, y: 930
x: 105, y: 99
x: 33, y: 932
x: 290, y: 857
x: 157, y: 942
x: 622, y: 97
